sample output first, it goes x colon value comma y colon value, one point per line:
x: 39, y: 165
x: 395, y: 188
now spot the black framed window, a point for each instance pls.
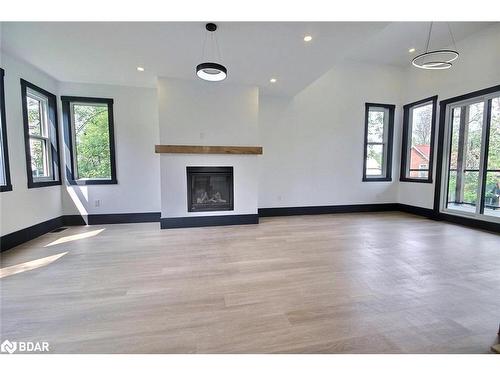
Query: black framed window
x: 89, y: 136
x: 379, y: 129
x: 5, y: 184
x: 419, y: 123
x: 41, y: 136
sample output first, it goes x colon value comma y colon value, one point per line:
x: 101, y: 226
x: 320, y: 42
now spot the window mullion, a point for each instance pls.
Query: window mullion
x: 483, y: 163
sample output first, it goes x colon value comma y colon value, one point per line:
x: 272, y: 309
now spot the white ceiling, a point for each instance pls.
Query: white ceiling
x: 253, y: 52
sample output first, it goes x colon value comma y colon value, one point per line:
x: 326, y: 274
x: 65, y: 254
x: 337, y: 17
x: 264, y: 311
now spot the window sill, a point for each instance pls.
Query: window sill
x: 418, y: 180
x: 93, y: 182
x: 6, y: 188
x: 377, y: 179
x: 38, y: 184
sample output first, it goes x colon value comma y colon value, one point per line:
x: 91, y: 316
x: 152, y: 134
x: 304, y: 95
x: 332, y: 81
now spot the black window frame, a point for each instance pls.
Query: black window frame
x: 53, y: 117
x: 5, y: 149
x: 68, y: 139
x: 404, y: 144
x: 390, y: 137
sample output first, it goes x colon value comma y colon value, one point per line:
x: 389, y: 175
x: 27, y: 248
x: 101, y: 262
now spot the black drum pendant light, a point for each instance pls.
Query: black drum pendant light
x: 211, y: 71
x: 436, y: 59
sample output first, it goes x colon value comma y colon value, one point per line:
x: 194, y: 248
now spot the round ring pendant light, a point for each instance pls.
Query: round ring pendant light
x: 211, y: 71
x: 438, y: 59
x: 435, y: 60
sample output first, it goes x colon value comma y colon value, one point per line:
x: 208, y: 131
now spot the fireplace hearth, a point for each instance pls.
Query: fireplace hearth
x: 210, y: 189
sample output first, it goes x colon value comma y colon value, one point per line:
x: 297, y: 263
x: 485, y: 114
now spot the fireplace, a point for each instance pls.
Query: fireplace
x: 210, y: 189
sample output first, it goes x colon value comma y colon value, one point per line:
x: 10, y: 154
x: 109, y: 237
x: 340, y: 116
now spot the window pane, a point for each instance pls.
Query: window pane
x: 374, y: 160
x: 420, y: 173
x: 41, y: 143
x: 453, y: 174
x: 474, y: 131
x: 469, y: 200
x: 34, y: 116
x: 492, y: 194
x: 455, y: 134
x: 375, y: 126
x: 420, y: 141
x: 452, y: 187
x: 494, y: 144
x: 492, y: 191
x: 471, y: 183
x: 38, y: 158
x: 91, y: 128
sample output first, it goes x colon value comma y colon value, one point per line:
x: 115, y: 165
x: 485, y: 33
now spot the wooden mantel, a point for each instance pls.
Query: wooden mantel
x: 190, y: 149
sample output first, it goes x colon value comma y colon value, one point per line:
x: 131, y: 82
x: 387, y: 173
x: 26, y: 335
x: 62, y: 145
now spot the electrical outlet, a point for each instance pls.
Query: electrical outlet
x: 97, y: 203
x: 202, y: 135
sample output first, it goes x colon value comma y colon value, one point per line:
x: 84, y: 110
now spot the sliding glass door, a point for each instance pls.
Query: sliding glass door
x: 471, y: 159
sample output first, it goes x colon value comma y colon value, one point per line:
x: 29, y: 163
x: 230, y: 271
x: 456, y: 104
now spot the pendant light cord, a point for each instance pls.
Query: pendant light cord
x: 217, y: 46
x: 451, y: 36
x: 203, y: 48
x: 428, y: 38
x: 214, y: 42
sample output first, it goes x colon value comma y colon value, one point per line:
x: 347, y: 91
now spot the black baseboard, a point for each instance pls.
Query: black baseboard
x: 465, y: 221
x: 337, y: 209
x: 27, y: 234
x: 207, y: 221
x: 421, y: 211
x: 96, y: 219
x: 73, y: 220
x: 11, y: 240
x: 140, y: 217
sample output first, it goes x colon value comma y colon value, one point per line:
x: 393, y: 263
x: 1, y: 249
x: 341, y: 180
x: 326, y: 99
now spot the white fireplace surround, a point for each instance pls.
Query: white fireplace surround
x: 207, y: 114
x: 174, y: 183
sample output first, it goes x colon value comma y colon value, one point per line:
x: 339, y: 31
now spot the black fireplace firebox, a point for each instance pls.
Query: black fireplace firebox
x: 210, y: 189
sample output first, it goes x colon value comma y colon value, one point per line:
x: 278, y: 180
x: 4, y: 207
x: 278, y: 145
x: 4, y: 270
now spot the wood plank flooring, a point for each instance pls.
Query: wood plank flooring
x: 344, y: 283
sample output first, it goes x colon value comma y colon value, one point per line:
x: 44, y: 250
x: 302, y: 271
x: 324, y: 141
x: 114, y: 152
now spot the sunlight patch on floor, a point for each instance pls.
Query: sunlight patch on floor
x: 31, y: 265
x: 75, y: 237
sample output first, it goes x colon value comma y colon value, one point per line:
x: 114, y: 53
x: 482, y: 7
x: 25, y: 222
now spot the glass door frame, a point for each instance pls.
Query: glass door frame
x: 486, y: 98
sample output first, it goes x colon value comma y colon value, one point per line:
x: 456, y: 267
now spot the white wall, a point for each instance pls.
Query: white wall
x: 477, y: 68
x: 202, y: 113
x: 23, y: 207
x: 137, y: 166
x: 313, y: 143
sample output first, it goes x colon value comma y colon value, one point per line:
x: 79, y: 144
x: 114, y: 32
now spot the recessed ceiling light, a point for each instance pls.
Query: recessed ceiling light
x: 308, y: 38
x: 140, y: 68
x: 273, y: 80
x: 411, y: 50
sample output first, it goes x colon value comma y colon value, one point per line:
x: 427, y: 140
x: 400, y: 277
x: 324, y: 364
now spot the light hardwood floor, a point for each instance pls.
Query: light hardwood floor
x: 345, y: 283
